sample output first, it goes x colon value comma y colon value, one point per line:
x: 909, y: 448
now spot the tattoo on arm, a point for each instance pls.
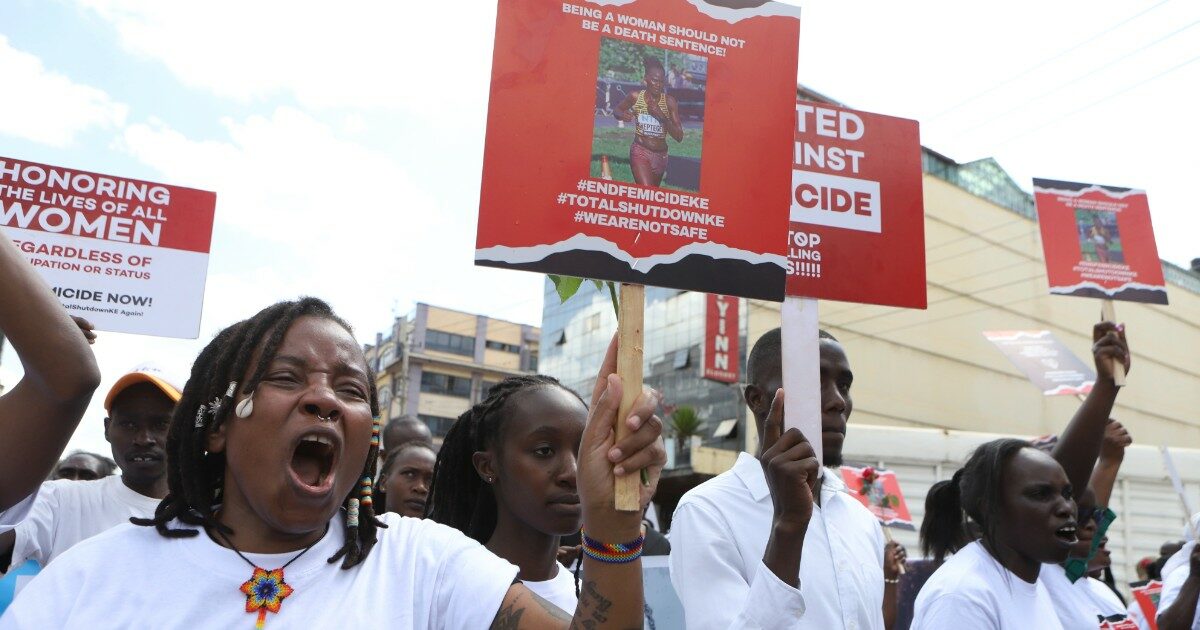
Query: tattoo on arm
x: 593, y: 608
x: 509, y: 617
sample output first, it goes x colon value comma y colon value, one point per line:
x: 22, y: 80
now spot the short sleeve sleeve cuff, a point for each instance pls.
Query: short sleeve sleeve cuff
x: 11, y: 517
x: 772, y: 602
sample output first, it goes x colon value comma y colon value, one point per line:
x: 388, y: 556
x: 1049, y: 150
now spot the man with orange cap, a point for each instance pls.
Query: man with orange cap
x: 139, y: 407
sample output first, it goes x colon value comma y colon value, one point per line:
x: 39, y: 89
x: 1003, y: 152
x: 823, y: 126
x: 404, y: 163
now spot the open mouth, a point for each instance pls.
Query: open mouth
x: 144, y: 458
x: 313, y: 459
x: 1067, y: 534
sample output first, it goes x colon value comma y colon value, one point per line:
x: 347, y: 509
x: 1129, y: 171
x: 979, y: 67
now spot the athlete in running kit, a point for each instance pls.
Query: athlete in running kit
x: 655, y: 114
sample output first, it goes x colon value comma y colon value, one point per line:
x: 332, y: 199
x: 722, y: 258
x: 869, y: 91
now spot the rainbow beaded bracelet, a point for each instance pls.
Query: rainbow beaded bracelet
x: 620, y: 553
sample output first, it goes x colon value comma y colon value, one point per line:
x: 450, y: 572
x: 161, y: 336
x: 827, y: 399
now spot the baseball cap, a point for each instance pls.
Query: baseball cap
x: 145, y: 373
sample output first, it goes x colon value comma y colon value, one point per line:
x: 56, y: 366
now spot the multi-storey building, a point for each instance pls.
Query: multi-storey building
x: 437, y: 362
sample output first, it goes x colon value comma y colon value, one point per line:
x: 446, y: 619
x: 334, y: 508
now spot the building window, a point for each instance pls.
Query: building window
x: 450, y: 342
x: 435, y: 383
x: 681, y: 359
x: 503, y: 347
x: 438, y: 425
x: 592, y: 323
x: 533, y: 362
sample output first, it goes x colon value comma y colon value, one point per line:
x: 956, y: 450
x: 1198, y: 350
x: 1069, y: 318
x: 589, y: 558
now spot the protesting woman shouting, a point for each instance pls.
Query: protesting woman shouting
x: 270, y: 515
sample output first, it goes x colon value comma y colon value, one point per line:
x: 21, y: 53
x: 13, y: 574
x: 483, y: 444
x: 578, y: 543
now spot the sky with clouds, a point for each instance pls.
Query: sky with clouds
x: 345, y: 140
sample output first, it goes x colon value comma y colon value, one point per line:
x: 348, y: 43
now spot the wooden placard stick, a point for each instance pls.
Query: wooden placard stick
x: 800, y: 332
x: 630, y: 344
x: 887, y: 533
x: 1108, y: 314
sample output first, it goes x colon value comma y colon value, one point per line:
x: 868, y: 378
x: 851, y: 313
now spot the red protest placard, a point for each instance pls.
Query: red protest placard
x: 129, y: 255
x: 1099, y: 242
x: 641, y: 142
x: 721, y: 328
x: 879, y: 491
x: 1147, y: 595
x: 857, y: 215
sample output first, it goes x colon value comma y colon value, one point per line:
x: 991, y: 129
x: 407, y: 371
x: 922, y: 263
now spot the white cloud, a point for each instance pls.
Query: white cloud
x: 279, y: 176
x: 371, y: 54
x: 302, y: 210
x: 47, y: 107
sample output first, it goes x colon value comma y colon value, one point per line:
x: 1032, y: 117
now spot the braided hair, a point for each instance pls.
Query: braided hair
x: 458, y: 497
x: 195, y: 477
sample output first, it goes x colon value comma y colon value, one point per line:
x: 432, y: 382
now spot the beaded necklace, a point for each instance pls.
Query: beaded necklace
x: 265, y: 590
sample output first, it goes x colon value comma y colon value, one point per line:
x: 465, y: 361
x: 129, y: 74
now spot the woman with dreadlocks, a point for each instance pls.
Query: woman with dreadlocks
x: 506, y: 476
x: 271, y: 450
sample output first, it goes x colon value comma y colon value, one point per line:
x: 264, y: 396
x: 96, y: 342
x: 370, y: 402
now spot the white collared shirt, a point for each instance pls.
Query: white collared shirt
x: 719, y: 534
x: 1175, y: 572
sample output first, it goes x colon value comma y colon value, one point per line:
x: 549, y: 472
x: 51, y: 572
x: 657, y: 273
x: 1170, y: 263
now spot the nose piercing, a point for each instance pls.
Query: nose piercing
x: 325, y: 418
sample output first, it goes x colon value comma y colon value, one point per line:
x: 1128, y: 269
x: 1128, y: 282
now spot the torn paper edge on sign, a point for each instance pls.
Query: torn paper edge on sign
x: 1090, y: 189
x: 1071, y: 390
x: 534, y: 253
x: 1110, y: 292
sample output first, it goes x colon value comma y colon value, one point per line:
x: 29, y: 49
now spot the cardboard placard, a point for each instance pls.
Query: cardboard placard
x: 128, y: 255
x: 1147, y: 595
x: 1045, y: 361
x: 570, y: 189
x: 857, y: 213
x: 663, y: 608
x: 879, y: 491
x: 1099, y: 241
x: 721, y: 335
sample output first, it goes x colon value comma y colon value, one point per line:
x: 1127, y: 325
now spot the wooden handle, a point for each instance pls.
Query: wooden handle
x: 887, y: 532
x: 1108, y: 314
x: 629, y: 368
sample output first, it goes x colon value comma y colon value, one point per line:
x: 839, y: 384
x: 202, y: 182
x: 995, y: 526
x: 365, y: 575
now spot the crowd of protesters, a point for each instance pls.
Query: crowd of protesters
x: 265, y: 489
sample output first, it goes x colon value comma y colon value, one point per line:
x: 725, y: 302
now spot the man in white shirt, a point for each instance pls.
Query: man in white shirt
x: 66, y: 512
x: 761, y: 545
x: 1179, y: 603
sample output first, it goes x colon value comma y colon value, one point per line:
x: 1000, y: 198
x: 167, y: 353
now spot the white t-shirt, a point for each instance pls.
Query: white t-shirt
x: 12, y: 516
x: 67, y: 512
x: 720, y: 532
x: 421, y: 574
x: 973, y: 590
x: 1081, y: 605
x: 1175, y: 572
x: 558, y: 590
